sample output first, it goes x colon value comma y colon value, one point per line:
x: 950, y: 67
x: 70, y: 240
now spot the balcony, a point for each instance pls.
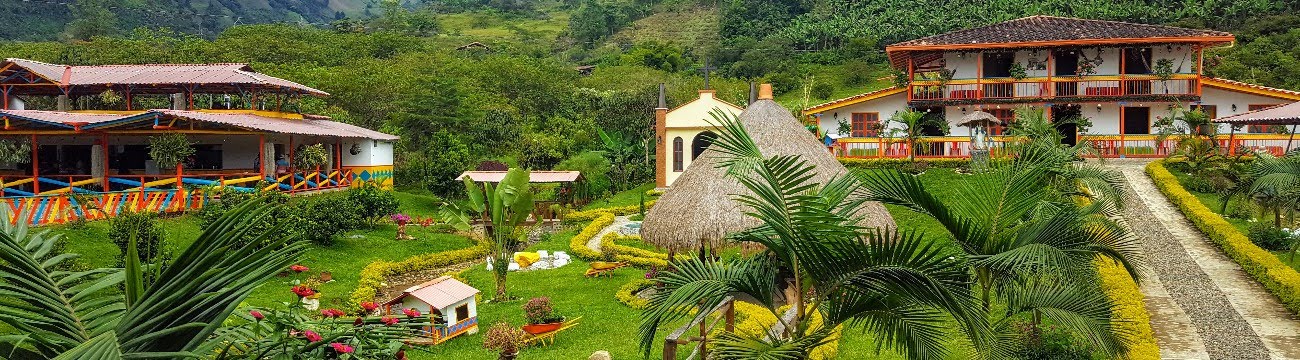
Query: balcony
x: 1107, y: 146
x: 1072, y: 88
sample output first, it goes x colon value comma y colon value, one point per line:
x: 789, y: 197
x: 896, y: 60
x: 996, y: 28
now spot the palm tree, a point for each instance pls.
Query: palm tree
x: 505, y: 209
x: 912, y: 124
x: 1275, y: 183
x: 82, y: 315
x: 898, y: 286
x: 1041, y: 146
x: 1026, y: 243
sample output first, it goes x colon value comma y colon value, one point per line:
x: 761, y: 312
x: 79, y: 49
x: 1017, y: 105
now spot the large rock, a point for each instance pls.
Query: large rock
x: 600, y: 355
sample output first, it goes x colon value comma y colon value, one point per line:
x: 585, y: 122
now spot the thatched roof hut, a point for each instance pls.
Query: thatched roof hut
x: 699, y: 210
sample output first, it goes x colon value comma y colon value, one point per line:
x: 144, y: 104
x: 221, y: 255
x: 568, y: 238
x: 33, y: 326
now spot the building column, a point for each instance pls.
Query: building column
x: 268, y: 158
x: 178, y: 101
x: 661, y: 134
x: 64, y: 103
x: 98, y: 163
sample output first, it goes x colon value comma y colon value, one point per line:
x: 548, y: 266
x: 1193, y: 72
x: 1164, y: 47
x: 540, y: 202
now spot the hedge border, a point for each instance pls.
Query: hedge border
x: 1130, y: 308
x: 374, y: 275
x: 626, y: 293
x: 1280, y: 280
x: 578, y: 244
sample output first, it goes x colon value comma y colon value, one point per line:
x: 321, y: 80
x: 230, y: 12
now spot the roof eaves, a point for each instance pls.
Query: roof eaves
x: 1246, y: 87
x: 855, y: 99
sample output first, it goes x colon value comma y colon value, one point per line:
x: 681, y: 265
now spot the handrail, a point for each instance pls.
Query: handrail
x: 700, y: 351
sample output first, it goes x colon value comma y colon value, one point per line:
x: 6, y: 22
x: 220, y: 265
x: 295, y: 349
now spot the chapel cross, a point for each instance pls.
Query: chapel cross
x: 706, y: 70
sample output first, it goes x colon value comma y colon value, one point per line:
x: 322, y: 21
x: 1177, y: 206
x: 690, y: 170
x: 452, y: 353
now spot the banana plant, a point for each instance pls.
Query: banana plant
x: 504, y: 209
x: 69, y: 314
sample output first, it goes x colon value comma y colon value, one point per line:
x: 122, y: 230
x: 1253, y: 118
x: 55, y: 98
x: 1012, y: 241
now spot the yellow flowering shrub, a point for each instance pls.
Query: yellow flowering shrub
x: 755, y: 320
x: 627, y: 293
x: 373, y: 275
x: 1129, y: 309
x: 578, y: 244
x: 1280, y: 279
x: 592, y: 214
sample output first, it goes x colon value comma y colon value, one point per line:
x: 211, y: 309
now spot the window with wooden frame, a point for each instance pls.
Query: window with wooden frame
x: 1259, y: 129
x: 1004, y: 115
x: 1209, y: 110
x: 462, y: 312
x: 677, y: 154
x: 864, y: 124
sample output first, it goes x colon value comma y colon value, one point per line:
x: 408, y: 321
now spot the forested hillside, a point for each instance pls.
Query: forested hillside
x: 519, y: 99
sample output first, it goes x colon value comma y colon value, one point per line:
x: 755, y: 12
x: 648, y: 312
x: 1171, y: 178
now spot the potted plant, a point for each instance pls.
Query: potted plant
x: 541, y: 316
x: 505, y: 339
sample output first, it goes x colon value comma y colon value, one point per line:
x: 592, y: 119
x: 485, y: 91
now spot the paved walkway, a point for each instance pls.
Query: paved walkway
x: 1202, y: 305
x: 619, y: 221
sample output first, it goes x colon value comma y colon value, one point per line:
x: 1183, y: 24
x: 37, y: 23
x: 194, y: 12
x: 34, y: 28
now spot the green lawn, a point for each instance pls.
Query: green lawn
x: 629, y: 197
x: 344, y: 259
x: 1212, y: 201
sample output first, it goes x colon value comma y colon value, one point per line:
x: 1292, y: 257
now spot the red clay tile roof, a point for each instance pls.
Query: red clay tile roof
x: 148, y: 75
x: 1287, y: 114
x: 1036, y: 29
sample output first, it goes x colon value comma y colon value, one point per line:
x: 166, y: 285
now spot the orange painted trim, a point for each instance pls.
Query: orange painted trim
x: 851, y: 101
x: 1087, y: 42
x: 1274, y: 93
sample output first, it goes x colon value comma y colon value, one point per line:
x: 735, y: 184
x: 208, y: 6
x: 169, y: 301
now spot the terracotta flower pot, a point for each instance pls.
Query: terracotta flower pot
x: 542, y: 328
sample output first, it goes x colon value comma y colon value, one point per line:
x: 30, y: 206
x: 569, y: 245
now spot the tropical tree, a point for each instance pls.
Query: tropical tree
x: 1026, y: 243
x: 1041, y: 146
x: 76, y: 314
x: 1275, y: 183
x: 911, y: 124
x: 897, y: 285
x: 504, y: 210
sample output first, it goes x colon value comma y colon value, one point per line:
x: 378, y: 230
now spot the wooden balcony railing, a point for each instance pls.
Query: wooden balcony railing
x: 1108, y: 146
x: 1087, y: 87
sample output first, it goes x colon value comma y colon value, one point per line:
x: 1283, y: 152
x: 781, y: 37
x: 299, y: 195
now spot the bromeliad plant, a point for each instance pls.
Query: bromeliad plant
x: 898, y: 286
x: 504, y: 209
x: 83, y: 315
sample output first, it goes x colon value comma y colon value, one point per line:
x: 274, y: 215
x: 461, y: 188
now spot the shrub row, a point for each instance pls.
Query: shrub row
x: 627, y: 293
x: 374, y: 275
x: 592, y: 214
x: 578, y: 244
x: 902, y: 164
x: 1130, y: 312
x: 317, y: 218
x: 1278, y: 278
x: 755, y: 320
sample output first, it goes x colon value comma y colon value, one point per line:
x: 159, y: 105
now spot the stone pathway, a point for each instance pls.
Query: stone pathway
x: 1202, y: 305
x: 619, y: 221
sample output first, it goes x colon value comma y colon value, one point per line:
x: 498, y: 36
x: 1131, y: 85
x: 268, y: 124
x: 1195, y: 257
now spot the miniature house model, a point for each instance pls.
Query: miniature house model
x: 447, y: 302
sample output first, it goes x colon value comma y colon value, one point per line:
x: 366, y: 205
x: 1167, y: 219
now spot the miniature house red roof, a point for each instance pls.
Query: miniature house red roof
x: 439, y: 293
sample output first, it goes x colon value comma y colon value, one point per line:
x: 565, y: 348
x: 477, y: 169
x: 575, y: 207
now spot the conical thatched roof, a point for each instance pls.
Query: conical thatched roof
x: 979, y: 118
x: 698, y: 209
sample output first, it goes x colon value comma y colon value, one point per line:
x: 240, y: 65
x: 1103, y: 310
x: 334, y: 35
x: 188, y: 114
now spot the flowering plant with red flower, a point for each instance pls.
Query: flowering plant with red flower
x: 342, y: 348
x: 411, y: 312
x: 332, y: 313
x: 311, y: 336
x: 400, y: 219
x: 303, y: 291
x: 257, y: 315
x: 369, y: 306
x: 389, y: 320
x: 298, y: 268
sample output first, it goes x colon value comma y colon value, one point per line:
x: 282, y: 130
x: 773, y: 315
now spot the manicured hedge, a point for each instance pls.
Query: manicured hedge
x: 1277, y: 277
x: 905, y: 164
x: 578, y: 244
x: 592, y: 214
x: 1129, y: 310
x: 373, y: 275
x: 756, y: 320
x: 627, y: 293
